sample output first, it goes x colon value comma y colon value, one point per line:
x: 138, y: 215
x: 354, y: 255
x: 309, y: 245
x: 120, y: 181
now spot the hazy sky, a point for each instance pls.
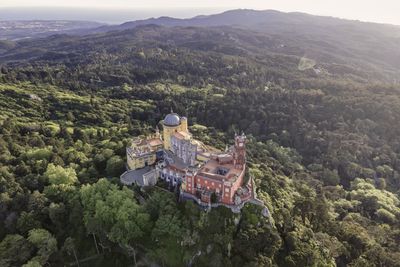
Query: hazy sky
x: 386, y: 11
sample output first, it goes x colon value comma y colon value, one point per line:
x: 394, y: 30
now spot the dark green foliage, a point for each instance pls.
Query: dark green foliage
x: 323, y: 151
x: 15, y: 250
x: 115, y: 166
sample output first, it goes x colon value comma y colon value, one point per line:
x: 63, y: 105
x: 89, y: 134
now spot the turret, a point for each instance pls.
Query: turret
x: 184, y: 124
x: 239, y: 155
x: 157, y: 135
x: 171, y: 124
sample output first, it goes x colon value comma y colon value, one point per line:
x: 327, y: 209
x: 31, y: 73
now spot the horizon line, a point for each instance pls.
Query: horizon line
x: 217, y: 10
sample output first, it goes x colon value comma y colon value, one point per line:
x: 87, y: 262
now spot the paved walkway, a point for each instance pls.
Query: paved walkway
x: 135, y: 176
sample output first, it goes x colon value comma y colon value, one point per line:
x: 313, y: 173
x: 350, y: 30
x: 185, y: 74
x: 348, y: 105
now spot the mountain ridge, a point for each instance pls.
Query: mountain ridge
x: 268, y: 21
x: 334, y: 44
x: 231, y: 17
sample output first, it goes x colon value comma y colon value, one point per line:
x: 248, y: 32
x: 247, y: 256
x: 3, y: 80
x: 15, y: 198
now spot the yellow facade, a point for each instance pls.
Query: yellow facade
x: 142, y: 161
x: 143, y: 151
x: 184, y: 124
x: 202, y: 157
x: 168, y: 131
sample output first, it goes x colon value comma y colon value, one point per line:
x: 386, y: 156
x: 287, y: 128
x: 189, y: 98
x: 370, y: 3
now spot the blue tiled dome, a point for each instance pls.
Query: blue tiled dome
x: 172, y: 119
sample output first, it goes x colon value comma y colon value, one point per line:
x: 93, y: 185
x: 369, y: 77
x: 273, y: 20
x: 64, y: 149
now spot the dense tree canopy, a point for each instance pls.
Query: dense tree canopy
x: 58, y: 175
x: 323, y: 149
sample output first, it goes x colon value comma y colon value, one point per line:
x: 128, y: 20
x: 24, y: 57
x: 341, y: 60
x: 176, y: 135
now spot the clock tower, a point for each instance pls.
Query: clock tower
x: 239, y: 155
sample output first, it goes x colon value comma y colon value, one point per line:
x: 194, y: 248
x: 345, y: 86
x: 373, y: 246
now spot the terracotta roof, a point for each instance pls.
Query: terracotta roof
x: 210, y: 169
x: 182, y: 135
x: 155, y: 142
x: 141, y: 146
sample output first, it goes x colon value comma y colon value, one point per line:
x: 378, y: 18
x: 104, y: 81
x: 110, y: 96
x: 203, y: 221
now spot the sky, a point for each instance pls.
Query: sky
x: 383, y: 11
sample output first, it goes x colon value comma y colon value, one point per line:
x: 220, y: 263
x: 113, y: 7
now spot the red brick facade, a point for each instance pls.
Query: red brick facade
x: 221, y: 176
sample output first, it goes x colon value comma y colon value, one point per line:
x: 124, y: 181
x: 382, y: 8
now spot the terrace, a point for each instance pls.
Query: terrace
x: 214, y: 170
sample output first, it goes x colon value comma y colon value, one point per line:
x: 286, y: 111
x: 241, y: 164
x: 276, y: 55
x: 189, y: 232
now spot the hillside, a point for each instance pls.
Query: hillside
x: 337, y: 36
x: 334, y: 47
x: 318, y: 98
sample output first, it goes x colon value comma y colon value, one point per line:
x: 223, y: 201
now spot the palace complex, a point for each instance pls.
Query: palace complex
x: 202, y: 173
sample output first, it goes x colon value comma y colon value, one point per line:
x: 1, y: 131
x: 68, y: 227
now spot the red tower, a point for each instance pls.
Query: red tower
x: 239, y: 154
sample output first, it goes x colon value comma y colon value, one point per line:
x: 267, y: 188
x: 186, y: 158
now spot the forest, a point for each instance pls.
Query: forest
x: 323, y: 147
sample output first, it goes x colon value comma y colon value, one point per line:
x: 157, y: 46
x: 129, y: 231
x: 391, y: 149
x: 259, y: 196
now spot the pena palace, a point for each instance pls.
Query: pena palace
x: 201, y: 173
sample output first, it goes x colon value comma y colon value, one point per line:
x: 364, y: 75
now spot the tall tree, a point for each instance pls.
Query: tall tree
x: 58, y: 175
x: 44, y: 242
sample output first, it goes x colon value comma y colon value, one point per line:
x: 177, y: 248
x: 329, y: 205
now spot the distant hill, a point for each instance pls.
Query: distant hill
x: 262, y: 20
x: 17, y: 30
x: 327, y: 46
x: 318, y: 37
x: 240, y: 18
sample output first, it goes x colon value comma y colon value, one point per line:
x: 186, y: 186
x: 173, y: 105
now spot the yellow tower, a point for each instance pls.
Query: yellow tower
x: 167, y: 132
x: 171, y: 124
x: 184, y: 125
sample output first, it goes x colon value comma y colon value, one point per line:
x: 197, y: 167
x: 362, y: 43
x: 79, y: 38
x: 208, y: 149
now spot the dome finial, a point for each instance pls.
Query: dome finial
x: 172, y: 111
